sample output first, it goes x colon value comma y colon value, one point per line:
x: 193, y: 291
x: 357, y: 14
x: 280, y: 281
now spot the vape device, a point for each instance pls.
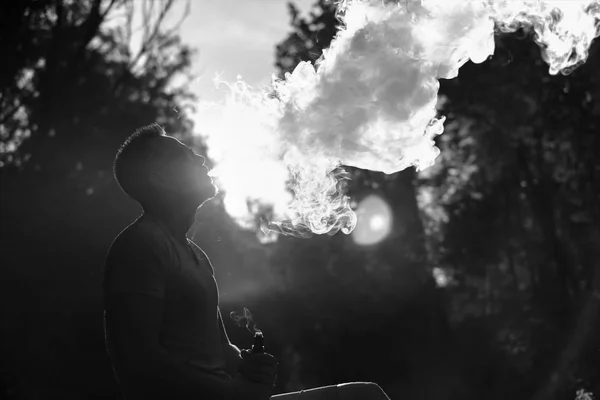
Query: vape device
x: 258, y: 346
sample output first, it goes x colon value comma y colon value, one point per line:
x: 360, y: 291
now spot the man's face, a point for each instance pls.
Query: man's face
x: 182, y: 172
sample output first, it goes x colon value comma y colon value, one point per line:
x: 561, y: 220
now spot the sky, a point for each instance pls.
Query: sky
x: 234, y: 37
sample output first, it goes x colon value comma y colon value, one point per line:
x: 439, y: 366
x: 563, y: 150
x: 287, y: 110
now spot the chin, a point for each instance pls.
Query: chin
x: 204, y: 193
x: 204, y: 197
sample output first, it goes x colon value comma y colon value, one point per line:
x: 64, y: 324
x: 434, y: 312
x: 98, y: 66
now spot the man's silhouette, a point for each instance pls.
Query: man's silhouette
x: 165, y: 334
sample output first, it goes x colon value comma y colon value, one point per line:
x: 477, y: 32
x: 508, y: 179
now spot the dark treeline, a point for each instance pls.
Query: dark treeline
x: 509, y: 213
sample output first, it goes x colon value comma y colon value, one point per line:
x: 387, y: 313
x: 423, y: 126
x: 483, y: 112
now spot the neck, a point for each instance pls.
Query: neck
x: 178, y: 220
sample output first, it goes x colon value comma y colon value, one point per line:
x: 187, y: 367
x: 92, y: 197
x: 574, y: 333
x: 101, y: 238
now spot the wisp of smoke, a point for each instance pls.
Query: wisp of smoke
x: 370, y: 102
x: 245, y: 316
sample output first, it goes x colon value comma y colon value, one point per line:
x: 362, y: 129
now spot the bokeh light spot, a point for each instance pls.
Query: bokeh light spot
x: 374, y: 221
x: 441, y: 277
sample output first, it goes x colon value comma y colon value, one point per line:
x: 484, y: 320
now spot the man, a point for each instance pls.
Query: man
x: 164, y: 330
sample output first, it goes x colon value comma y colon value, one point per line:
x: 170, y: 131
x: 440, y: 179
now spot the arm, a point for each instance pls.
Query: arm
x: 137, y: 269
x: 133, y: 322
x: 138, y: 266
x: 232, y: 352
x: 260, y: 368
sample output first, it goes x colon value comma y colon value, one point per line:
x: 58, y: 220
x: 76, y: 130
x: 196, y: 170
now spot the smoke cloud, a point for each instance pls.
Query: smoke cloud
x: 370, y: 102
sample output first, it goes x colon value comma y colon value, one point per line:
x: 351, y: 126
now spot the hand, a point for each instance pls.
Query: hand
x: 259, y: 367
x: 233, y: 359
x: 246, y: 389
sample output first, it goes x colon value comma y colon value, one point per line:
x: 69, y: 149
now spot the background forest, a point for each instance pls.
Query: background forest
x: 487, y: 287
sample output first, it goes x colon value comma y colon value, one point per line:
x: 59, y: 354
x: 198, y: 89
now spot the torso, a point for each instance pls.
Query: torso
x: 191, y: 324
x: 190, y: 329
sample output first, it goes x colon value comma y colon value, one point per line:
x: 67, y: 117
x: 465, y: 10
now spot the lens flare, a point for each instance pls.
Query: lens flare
x: 370, y: 102
x: 375, y: 219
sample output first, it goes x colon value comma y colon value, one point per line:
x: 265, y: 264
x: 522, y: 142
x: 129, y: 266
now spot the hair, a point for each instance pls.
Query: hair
x: 131, y: 167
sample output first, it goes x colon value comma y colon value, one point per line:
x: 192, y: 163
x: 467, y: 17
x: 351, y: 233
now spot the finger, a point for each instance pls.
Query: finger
x: 255, y: 376
x: 260, y: 369
x: 259, y: 378
x: 266, y: 379
x: 266, y: 356
x: 260, y: 365
x: 260, y: 360
x: 257, y: 356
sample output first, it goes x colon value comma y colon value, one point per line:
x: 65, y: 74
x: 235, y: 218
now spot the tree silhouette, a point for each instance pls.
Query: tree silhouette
x: 72, y: 87
x: 509, y: 212
x: 517, y: 181
x: 383, y: 287
x: 69, y: 70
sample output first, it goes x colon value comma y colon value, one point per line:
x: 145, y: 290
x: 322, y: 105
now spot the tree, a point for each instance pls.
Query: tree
x: 71, y: 90
x: 517, y: 187
x: 68, y: 59
x: 510, y: 212
x: 382, y: 287
x: 309, y: 37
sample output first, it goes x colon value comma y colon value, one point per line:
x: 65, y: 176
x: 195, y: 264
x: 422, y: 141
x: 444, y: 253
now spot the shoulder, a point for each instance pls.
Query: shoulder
x: 140, y: 261
x: 140, y: 236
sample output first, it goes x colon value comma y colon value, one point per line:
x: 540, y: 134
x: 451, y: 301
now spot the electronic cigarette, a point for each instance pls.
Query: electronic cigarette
x: 259, y: 345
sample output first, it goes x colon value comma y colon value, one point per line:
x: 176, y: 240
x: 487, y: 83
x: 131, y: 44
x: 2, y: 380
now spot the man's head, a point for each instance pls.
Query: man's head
x: 153, y: 168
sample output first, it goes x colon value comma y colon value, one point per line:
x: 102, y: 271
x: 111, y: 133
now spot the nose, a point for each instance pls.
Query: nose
x: 202, y: 163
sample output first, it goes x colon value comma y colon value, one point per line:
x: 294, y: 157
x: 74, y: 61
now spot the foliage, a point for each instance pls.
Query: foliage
x: 517, y: 186
x: 72, y: 86
x: 309, y: 37
x: 65, y: 60
x: 350, y: 293
x: 509, y: 212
